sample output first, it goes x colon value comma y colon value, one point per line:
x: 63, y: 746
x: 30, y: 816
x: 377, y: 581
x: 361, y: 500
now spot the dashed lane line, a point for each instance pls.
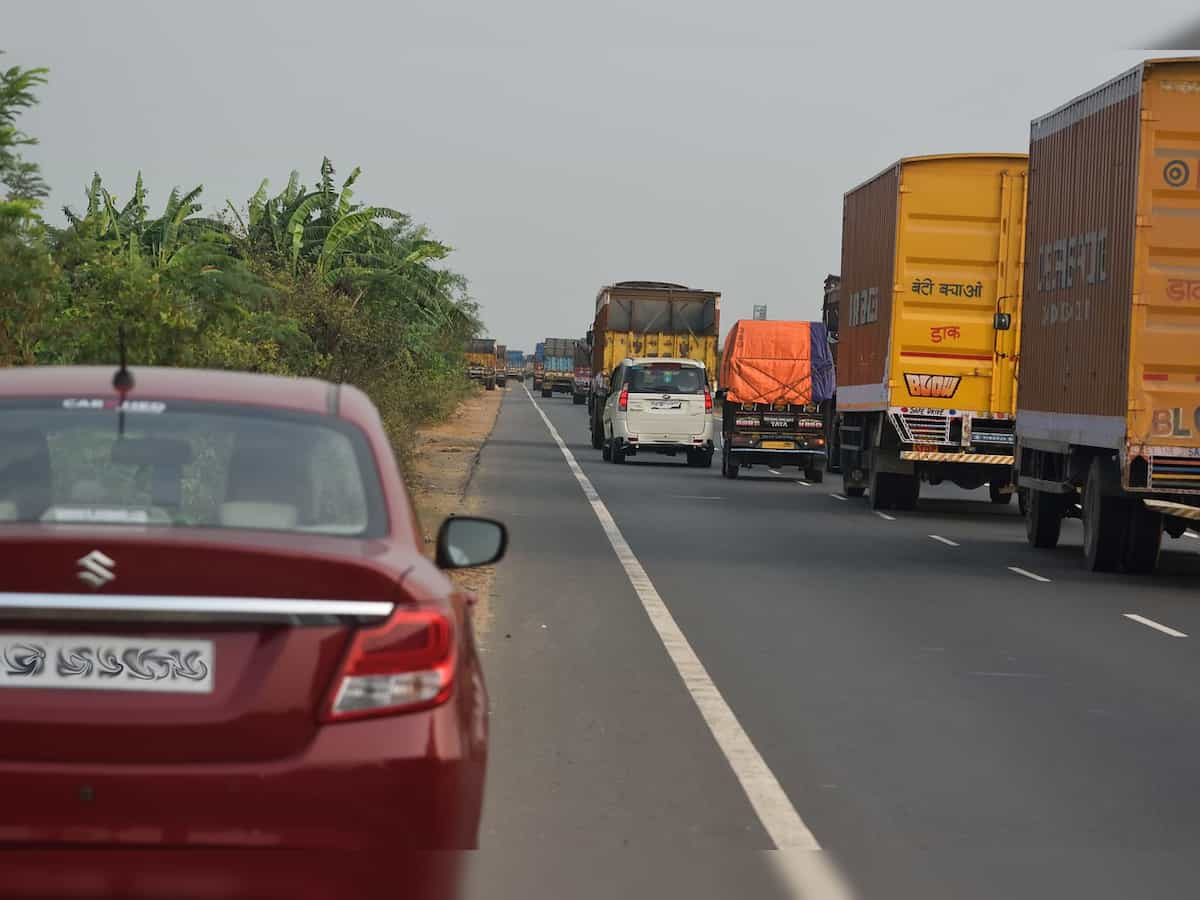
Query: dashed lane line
x: 945, y: 540
x: 838, y: 496
x: 1157, y: 626
x: 1036, y: 577
x: 885, y: 516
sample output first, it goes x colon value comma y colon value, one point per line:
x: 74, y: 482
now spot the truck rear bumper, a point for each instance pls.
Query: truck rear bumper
x: 986, y: 459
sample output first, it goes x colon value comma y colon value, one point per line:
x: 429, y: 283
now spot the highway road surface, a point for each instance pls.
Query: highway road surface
x: 757, y: 688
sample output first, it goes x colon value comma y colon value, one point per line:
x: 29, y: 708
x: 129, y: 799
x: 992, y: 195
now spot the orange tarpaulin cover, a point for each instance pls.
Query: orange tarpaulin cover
x: 768, y: 362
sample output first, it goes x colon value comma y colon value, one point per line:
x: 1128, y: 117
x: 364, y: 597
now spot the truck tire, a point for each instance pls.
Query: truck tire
x: 816, y: 476
x: 1143, y: 539
x: 854, y: 491
x: 1105, y: 520
x: 547, y: 392
x: 597, y: 433
x: 906, y: 490
x: 1043, y: 519
x: 728, y: 467
x: 490, y: 384
x: 579, y: 399
x: 997, y: 496
x: 881, y: 490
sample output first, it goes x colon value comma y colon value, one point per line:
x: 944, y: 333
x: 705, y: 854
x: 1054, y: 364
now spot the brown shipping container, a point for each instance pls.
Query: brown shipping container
x: 868, y: 265
x: 1110, y: 349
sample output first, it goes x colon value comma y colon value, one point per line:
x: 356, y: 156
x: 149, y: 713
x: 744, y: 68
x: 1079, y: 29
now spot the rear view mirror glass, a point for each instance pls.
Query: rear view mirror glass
x: 467, y: 541
x: 1002, y: 322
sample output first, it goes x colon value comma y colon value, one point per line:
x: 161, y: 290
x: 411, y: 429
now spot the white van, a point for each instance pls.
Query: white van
x: 659, y: 405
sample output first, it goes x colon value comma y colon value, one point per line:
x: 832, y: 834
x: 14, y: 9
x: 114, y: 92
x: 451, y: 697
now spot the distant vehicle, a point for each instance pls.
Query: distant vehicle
x: 583, y: 372
x: 661, y: 406
x: 539, y: 364
x: 481, y: 362
x: 645, y: 319
x: 1108, y: 418
x: 219, y: 627
x: 515, y: 363
x: 501, y: 365
x: 775, y: 379
x: 559, y: 373
x: 926, y: 352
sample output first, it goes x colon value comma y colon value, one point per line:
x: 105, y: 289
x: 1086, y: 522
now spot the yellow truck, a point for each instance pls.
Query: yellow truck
x: 1108, y: 411
x: 930, y: 301
x: 481, y: 361
x: 648, y: 319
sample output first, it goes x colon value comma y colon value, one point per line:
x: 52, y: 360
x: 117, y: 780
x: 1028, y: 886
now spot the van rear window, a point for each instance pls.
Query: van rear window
x: 666, y: 378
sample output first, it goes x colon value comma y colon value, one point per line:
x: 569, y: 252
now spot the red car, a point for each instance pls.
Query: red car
x: 224, y: 659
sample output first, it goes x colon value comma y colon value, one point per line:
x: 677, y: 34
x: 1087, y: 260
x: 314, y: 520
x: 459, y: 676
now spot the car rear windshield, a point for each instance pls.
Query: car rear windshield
x: 666, y: 378
x: 154, y: 463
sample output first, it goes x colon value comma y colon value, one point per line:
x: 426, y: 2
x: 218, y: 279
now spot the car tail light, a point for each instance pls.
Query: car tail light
x: 623, y: 400
x: 707, y: 400
x: 406, y: 664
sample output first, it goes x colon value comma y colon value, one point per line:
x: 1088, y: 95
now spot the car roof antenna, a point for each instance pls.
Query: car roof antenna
x: 122, y: 381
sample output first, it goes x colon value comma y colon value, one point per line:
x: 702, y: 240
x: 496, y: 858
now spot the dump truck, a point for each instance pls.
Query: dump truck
x: 539, y: 364
x: 1108, y: 409
x: 481, y: 361
x: 927, y: 350
x: 515, y: 364
x: 559, y: 373
x: 583, y: 372
x: 502, y: 365
x: 648, y: 319
x: 775, y: 379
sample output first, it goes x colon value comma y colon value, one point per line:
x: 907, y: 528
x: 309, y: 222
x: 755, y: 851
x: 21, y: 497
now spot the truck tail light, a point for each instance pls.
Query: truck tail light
x: 707, y: 400
x: 405, y: 664
x: 623, y: 400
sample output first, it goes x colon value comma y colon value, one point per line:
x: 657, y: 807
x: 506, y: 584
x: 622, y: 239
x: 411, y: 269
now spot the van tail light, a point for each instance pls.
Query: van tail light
x: 707, y: 400
x: 623, y: 400
x: 405, y: 664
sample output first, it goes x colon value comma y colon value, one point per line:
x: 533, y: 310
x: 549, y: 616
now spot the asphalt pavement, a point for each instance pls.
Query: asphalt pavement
x: 951, y: 713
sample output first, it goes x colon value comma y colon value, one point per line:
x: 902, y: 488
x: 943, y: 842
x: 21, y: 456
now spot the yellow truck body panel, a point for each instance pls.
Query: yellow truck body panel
x: 623, y: 345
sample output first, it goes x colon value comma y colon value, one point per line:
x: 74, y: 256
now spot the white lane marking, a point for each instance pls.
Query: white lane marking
x: 838, y: 496
x: 774, y: 471
x: 1192, y: 534
x: 1027, y: 573
x: 946, y: 541
x: 884, y: 515
x: 692, y: 497
x: 780, y: 819
x: 1157, y: 626
x: 805, y: 483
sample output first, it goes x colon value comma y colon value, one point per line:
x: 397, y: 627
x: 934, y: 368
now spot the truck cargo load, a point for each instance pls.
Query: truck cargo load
x: 539, y: 365
x: 1108, y: 412
x: 649, y: 319
x: 481, y: 361
x: 583, y: 372
x: 515, y: 363
x: 775, y: 379
x: 559, y: 366
x: 501, y: 364
x: 929, y: 297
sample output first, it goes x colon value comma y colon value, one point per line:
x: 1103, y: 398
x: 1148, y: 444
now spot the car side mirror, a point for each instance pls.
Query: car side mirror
x: 1002, y: 321
x: 466, y: 541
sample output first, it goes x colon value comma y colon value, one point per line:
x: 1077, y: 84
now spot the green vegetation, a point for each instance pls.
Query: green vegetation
x: 303, y: 282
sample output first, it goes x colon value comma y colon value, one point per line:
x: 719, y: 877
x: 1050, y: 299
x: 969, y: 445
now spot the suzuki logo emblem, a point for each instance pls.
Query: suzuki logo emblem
x: 96, y: 569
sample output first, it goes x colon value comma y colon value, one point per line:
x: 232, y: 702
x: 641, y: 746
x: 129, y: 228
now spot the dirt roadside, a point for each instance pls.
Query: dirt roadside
x: 444, y: 459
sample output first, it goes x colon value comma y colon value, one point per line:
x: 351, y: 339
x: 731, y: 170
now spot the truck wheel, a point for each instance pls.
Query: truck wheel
x: 1022, y: 500
x: 816, y: 476
x: 547, y: 392
x: 1043, y: 519
x: 881, y: 491
x: 1143, y: 539
x: 852, y: 490
x: 1105, y: 521
x: 997, y: 496
x: 490, y: 384
x: 906, y: 490
x: 597, y: 434
x: 579, y: 399
x: 606, y: 451
x: 728, y: 467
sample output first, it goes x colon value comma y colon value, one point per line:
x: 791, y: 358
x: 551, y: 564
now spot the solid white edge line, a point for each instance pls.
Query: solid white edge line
x: 884, y: 515
x: 838, y: 496
x: 1027, y: 573
x: 771, y: 804
x: 945, y: 540
x: 1157, y: 626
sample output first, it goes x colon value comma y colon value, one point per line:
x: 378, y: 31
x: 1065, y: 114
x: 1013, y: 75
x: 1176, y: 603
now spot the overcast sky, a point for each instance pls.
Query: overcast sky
x: 558, y: 146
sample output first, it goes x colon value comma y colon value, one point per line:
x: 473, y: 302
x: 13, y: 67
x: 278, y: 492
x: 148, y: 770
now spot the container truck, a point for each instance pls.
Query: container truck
x: 502, y: 365
x: 775, y: 378
x: 648, y: 319
x: 515, y: 364
x: 481, y: 361
x: 926, y: 356
x: 539, y: 364
x: 583, y: 372
x: 1108, y: 411
x: 559, y: 373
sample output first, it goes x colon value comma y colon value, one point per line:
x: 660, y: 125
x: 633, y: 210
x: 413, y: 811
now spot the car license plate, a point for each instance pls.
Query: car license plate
x: 99, y: 662
x: 777, y: 445
x: 664, y: 404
